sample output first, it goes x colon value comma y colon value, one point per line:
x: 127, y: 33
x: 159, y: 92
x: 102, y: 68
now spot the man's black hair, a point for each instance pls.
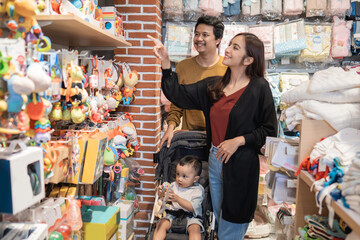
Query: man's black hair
x: 192, y: 160
x: 212, y: 21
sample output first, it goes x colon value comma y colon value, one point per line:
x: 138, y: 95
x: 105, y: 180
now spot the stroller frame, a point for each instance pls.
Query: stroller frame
x: 184, y: 143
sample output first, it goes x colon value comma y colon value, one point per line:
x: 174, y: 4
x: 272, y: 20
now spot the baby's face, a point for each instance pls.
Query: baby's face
x: 185, y: 176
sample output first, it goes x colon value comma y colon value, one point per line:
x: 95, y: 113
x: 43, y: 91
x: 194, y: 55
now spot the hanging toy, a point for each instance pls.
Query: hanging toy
x: 120, y: 144
x: 37, y: 73
x: 42, y: 131
x: 23, y: 121
x: 77, y: 115
x: 94, y: 77
x: 56, y: 113
x: 22, y: 23
x: 4, y: 64
x: 15, y: 100
x: 109, y: 83
x: 66, y: 115
x: 110, y: 156
x: 75, y: 89
x: 130, y: 81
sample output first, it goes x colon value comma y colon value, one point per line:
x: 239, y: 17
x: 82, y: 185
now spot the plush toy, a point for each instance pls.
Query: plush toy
x: 129, y: 129
x: 14, y: 100
x: 110, y: 156
x: 41, y: 79
x: 130, y: 81
x: 112, y: 103
x: 120, y: 144
x: 75, y: 89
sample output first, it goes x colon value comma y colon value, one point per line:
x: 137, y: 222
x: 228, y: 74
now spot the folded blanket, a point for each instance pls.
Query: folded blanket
x: 339, y: 116
x: 301, y: 93
x: 333, y: 79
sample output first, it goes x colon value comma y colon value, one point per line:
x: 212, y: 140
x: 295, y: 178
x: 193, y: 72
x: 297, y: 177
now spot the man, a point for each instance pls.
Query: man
x: 207, y: 36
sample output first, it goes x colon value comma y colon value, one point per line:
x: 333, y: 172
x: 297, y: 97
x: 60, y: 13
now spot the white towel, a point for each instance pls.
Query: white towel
x: 344, y: 145
x: 332, y: 79
x: 339, y: 116
x: 301, y: 93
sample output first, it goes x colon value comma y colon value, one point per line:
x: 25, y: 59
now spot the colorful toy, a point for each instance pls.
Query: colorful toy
x: 130, y: 81
x: 56, y: 113
x: 77, y: 114
x: 42, y: 131
x: 120, y: 144
x: 22, y: 23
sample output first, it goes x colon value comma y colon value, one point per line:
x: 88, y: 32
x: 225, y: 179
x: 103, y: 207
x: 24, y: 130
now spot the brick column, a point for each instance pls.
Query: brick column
x: 142, y: 17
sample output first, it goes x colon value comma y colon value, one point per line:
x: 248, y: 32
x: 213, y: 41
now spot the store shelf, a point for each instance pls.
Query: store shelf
x: 73, y: 31
x: 349, y: 216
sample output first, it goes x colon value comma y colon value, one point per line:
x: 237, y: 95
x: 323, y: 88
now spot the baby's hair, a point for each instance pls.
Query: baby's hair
x: 192, y: 160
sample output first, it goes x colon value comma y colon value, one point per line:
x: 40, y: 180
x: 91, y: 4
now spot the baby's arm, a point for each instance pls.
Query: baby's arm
x: 182, y: 202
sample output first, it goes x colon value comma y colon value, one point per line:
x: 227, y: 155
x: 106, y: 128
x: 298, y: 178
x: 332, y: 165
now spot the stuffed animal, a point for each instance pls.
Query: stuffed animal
x: 130, y: 81
x: 120, y: 144
x: 38, y: 75
x: 74, y: 91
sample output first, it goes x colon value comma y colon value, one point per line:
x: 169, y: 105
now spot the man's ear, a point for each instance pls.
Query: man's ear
x: 218, y: 41
x: 196, y: 179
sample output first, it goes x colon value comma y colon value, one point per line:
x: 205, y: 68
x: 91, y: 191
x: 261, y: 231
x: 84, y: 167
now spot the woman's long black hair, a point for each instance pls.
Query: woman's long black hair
x: 255, y: 49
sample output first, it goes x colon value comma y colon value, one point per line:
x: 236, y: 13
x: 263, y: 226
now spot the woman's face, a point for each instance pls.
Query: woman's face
x: 235, y: 53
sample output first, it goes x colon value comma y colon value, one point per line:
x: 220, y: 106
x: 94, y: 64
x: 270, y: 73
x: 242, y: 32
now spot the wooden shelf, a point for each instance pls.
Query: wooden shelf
x: 349, y: 216
x: 73, y: 31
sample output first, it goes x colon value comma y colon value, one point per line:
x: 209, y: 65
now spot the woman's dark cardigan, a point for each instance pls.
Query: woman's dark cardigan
x: 253, y: 116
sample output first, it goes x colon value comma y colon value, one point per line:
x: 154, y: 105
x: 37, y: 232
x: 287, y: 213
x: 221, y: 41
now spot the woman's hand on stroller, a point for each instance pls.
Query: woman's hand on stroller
x: 228, y: 147
x: 161, y: 52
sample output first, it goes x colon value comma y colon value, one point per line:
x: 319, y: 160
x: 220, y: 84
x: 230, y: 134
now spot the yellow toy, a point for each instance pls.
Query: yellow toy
x: 130, y: 81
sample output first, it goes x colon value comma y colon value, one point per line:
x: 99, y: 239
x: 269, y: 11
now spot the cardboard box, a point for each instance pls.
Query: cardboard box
x: 126, y: 227
x: 22, y: 180
x: 100, y: 222
x: 94, y: 158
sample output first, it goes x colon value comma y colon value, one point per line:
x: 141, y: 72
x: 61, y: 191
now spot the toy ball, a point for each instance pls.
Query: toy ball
x: 65, y: 230
x: 56, y: 236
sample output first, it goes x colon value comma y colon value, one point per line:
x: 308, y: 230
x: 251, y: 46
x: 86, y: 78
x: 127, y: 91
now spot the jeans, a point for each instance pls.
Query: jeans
x: 226, y: 230
x: 215, y: 180
x: 232, y: 231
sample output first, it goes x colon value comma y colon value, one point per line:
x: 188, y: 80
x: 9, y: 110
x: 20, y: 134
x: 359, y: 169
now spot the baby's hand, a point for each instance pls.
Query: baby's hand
x: 159, y: 191
x: 173, y: 197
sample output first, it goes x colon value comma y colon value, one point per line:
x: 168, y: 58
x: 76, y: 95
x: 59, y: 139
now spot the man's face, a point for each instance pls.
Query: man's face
x: 204, y: 38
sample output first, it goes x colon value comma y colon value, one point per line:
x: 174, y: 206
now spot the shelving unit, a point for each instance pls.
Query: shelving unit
x: 312, y: 131
x: 349, y: 216
x: 73, y: 31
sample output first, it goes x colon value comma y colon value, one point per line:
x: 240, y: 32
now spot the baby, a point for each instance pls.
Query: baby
x: 186, y: 196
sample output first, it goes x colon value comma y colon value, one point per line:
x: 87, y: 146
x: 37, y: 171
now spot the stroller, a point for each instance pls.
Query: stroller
x: 184, y: 143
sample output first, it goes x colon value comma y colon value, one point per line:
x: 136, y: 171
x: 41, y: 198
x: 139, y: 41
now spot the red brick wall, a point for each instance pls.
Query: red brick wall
x: 142, y: 17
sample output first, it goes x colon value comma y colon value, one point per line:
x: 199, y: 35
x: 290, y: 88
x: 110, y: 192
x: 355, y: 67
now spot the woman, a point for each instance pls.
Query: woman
x: 239, y: 113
